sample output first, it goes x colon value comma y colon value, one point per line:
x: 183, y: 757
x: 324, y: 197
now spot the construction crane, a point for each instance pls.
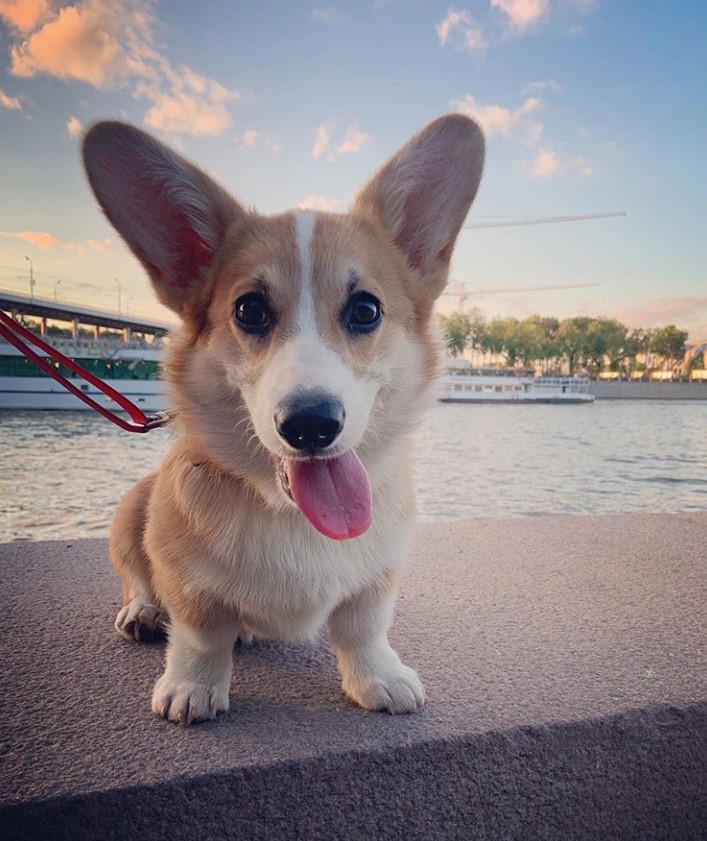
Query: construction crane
x: 463, y: 293
x: 543, y: 220
x: 464, y: 290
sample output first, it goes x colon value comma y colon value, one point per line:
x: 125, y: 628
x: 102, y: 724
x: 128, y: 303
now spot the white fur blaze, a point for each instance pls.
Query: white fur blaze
x: 305, y: 319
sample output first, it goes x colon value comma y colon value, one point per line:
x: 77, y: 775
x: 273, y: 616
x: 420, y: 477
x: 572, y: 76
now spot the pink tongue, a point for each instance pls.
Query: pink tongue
x: 333, y: 494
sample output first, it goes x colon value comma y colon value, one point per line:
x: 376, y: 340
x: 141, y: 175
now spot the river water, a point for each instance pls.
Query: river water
x: 63, y: 472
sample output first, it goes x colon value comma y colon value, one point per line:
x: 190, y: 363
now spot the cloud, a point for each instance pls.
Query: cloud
x: 100, y: 245
x: 544, y: 85
x: 322, y: 15
x: 689, y: 313
x: 522, y: 14
x: 251, y: 138
x: 48, y: 242
x: 12, y: 103
x: 547, y: 164
x: 23, y: 15
x: 320, y: 203
x: 78, y: 44
x: 109, y: 44
x: 192, y: 104
x: 496, y: 119
x: 321, y: 141
x: 74, y: 127
x: 351, y: 141
x: 459, y: 27
x: 580, y: 166
x: 354, y: 140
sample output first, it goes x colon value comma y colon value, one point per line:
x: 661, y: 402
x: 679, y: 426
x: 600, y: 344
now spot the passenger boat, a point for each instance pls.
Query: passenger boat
x: 126, y: 352
x: 464, y: 383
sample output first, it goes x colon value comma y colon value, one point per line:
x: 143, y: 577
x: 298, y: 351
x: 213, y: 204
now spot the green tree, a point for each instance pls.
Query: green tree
x: 457, y: 330
x: 637, y: 344
x: 572, y: 339
x: 606, y: 338
x: 669, y: 343
x: 549, y: 352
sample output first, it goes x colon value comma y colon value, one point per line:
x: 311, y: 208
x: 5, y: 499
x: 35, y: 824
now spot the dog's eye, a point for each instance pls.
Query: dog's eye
x: 252, y: 313
x: 363, y: 312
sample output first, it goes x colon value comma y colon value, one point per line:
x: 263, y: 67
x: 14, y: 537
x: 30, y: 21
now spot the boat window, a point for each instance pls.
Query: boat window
x: 18, y: 366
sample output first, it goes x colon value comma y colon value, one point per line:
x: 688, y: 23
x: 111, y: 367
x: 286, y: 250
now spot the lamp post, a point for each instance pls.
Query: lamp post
x: 115, y: 280
x: 127, y: 304
x: 31, y: 277
x: 56, y: 286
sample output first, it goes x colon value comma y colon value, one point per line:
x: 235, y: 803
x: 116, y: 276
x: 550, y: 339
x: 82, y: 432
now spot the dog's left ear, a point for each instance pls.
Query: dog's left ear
x: 423, y: 193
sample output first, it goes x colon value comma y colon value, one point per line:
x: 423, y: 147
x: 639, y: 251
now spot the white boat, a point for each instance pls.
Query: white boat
x: 127, y: 356
x: 464, y: 383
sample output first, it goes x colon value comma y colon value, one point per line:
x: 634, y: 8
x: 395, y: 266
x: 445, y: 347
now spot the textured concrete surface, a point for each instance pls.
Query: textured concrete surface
x: 564, y: 660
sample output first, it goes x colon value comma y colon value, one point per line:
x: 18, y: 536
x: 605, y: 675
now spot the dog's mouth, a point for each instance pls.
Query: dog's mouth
x: 333, y: 494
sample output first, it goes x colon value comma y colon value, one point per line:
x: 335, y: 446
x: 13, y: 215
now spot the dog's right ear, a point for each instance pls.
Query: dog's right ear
x: 170, y: 213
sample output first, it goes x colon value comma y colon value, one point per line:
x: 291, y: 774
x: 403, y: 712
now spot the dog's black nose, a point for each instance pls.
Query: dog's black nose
x: 310, y: 423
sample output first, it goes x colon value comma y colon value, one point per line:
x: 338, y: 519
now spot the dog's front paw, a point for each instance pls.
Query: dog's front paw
x: 396, y: 689
x: 141, y: 620
x: 186, y: 702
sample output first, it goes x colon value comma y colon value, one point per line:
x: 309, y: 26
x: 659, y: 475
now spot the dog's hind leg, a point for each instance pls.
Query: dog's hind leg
x: 141, y: 617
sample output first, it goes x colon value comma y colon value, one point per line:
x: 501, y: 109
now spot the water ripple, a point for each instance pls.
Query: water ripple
x: 64, y: 472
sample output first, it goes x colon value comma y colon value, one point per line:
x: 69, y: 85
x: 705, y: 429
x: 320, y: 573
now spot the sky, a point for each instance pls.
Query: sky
x: 589, y: 106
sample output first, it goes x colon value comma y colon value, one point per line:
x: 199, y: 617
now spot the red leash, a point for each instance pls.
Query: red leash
x: 20, y: 336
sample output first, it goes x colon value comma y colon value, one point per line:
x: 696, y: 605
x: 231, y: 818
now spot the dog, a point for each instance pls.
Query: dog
x: 305, y: 357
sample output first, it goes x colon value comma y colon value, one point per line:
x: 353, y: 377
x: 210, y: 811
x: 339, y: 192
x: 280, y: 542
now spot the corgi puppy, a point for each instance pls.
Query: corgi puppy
x: 305, y: 356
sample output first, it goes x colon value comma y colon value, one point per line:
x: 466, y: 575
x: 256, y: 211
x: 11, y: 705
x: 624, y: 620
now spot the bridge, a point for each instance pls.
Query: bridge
x: 17, y: 303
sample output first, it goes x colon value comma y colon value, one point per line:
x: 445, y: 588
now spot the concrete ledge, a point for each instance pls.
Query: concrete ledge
x: 623, y: 390
x: 564, y: 658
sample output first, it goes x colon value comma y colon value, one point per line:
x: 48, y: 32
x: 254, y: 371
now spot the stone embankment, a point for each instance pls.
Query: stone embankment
x: 625, y: 390
x: 565, y: 662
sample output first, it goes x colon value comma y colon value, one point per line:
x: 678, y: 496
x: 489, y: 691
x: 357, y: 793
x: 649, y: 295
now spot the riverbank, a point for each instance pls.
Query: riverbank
x: 625, y: 390
x: 563, y: 659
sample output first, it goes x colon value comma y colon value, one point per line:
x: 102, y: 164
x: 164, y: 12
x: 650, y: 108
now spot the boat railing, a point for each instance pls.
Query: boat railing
x: 84, y: 346
x: 576, y: 381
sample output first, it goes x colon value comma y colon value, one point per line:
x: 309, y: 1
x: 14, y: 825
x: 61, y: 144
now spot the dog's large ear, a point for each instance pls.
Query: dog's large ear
x: 170, y: 213
x: 423, y: 193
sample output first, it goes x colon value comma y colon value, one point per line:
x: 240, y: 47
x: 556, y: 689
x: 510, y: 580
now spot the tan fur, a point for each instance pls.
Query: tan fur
x: 127, y: 555
x: 212, y: 538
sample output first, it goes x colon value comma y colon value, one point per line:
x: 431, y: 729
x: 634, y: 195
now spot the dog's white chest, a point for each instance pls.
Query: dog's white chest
x: 284, y: 579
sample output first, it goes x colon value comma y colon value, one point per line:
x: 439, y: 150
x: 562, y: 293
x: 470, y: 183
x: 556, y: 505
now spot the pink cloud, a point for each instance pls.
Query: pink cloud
x: 689, y: 313
x: 461, y: 27
x: 45, y: 241
x: 12, y: 103
x: 522, y: 14
x: 23, y: 15
x: 321, y: 203
x: 496, y: 119
x: 548, y: 164
x: 109, y: 43
x: 75, y: 45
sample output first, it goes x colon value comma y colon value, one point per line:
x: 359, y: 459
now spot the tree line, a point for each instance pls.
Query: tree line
x: 593, y: 344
